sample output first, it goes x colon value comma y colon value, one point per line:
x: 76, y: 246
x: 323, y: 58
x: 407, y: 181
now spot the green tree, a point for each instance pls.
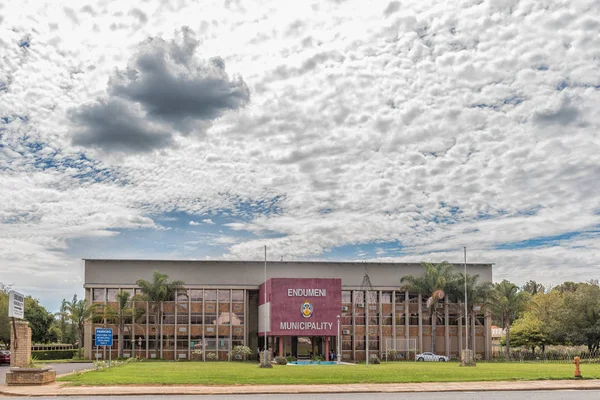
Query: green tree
x: 38, y: 317
x: 78, y: 312
x: 434, y: 283
x: 507, y: 306
x: 155, y: 293
x: 528, y: 331
x: 40, y: 320
x: 121, y: 314
x: 479, y: 297
x: 580, y: 316
x: 533, y: 288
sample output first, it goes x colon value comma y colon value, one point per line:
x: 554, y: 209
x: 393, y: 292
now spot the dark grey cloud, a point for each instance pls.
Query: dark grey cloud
x: 164, y: 88
x: 391, y: 8
x: 141, y: 16
x: 562, y: 113
x: 113, y: 126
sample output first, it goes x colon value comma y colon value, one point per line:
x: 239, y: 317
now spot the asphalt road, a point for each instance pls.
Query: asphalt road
x: 60, y: 369
x: 534, y: 395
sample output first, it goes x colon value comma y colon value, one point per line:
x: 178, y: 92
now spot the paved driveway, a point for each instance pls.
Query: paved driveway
x: 60, y: 369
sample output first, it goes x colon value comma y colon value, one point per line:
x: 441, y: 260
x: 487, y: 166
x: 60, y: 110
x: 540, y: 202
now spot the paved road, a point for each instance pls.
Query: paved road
x: 537, y: 395
x: 60, y: 369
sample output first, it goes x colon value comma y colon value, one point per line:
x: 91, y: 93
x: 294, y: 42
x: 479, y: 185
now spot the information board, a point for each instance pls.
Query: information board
x: 104, y: 337
x: 16, y: 305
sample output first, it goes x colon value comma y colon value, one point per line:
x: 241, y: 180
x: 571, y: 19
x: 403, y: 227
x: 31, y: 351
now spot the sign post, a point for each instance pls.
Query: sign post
x: 104, y: 337
x: 16, y: 309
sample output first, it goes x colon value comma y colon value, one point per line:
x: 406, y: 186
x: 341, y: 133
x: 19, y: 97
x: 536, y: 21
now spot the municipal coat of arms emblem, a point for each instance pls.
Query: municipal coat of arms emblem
x: 306, y: 309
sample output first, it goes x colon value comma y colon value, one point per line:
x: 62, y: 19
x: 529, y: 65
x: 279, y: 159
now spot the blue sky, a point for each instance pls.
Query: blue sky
x: 384, y: 131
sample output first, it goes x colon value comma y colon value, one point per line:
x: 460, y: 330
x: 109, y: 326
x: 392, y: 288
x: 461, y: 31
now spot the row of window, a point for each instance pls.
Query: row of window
x: 358, y: 296
x: 413, y: 319
x: 182, y: 343
x: 208, y: 295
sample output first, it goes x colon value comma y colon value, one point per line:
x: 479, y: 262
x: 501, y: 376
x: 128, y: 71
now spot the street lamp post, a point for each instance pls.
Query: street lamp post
x: 467, y: 360
x: 339, y: 356
x: 266, y: 358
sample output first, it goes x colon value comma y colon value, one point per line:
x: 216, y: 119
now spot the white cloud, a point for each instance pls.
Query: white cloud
x: 435, y: 125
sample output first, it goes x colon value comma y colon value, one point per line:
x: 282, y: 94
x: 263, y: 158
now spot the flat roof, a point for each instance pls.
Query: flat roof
x: 270, y: 261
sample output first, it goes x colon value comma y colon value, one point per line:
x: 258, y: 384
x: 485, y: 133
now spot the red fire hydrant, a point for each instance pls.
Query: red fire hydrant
x: 577, y: 361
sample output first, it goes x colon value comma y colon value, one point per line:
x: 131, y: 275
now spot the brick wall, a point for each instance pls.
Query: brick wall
x: 21, y: 355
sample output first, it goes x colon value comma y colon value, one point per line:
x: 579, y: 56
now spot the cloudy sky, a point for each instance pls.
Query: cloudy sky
x: 338, y: 130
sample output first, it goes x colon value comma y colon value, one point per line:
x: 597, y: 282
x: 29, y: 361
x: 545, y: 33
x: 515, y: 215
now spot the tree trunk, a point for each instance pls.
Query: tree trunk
x: 80, y: 336
x: 433, y: 329
x: 120, y: 345
x: 507, y: 350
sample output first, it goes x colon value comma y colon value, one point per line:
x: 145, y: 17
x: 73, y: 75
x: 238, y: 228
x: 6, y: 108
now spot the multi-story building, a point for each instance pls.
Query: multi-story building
x: 307, y: 307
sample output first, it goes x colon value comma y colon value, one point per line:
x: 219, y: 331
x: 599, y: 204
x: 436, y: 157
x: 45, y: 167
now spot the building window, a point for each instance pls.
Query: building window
x: 373, y: 297
x: 386, y: 297
x: 223, y: 296
x: 346, y: 296
x: 400, y: 297
x: 182, y: 295
x: 210, y: 295
x: 196, y: 294
x: 98, y: 295
x: 111, y: 295
x: 359, y: 297
x: 237, y: 296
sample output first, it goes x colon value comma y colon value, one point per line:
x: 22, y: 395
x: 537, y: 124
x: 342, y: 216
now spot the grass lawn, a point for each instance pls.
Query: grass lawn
x: 237, y: 373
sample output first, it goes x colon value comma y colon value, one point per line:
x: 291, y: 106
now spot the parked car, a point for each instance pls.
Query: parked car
x: 4, y: 357
x: 429, y: 356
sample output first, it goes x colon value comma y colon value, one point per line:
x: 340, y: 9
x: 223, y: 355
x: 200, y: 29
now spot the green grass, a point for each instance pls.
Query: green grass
x: 234, y: 373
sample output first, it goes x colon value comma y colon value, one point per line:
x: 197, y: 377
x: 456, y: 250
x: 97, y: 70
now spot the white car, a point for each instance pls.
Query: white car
x: 429, y: 356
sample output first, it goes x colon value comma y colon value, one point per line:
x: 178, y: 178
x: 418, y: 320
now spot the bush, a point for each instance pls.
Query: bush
x: 211, y: 357
x: 53, y: 354
x: 241, y: 352
x: 375, y: 360
x: 291, y: 358
x: 281, y: 360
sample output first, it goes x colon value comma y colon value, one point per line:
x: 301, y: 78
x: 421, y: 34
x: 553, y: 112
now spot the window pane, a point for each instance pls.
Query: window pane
x: 182, y: 295
x: 223, y: 296
x: 196, y: 294
x: 210, y: 295
x: 386, y: 297
x: 237, y: 296
x: 98, y: 295
x: 346, y: 296
x: 112, y: 295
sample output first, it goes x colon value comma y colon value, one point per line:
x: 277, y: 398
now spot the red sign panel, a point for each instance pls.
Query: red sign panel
x: 304, y: 307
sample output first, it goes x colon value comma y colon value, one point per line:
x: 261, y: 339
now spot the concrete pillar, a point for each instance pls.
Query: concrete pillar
x: 20, y: 349
x: 281, y: 346
x: 326, y: 348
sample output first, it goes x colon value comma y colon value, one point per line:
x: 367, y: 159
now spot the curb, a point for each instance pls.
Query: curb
x: 506, y: 386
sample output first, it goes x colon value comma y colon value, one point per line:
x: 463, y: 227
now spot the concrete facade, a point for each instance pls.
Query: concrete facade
x: 220, y: 309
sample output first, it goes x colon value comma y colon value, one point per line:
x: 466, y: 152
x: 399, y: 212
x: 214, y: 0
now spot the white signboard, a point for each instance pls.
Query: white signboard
x: 16, y: 305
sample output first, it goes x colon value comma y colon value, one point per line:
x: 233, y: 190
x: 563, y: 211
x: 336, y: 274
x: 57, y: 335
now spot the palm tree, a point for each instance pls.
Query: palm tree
x: 78, y: 312
x: 480, y: 296
x: 434, y: 283
x: 155, y: 293
x: 509, y: 303
x: 120, y: 314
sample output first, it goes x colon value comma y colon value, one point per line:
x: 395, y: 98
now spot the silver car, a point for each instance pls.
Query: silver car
x: 429, y: 356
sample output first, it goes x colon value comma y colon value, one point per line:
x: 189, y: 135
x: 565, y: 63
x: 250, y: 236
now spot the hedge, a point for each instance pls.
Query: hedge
x: 53, y: 354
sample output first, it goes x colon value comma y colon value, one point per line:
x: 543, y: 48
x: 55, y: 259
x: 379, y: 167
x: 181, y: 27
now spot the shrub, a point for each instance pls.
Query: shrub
x: 241, y: 352
x: 211, y: 357
x: 281, y: 360
x: 375, y: 360
x: 291, y: 358
x: 53, y: 354
x: 267, y: 365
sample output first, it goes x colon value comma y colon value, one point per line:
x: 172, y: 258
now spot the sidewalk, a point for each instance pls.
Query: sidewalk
x: 57, y: 389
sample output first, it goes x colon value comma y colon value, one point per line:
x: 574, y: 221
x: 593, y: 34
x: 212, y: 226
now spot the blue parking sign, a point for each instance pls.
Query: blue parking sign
x: 104, y: 337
